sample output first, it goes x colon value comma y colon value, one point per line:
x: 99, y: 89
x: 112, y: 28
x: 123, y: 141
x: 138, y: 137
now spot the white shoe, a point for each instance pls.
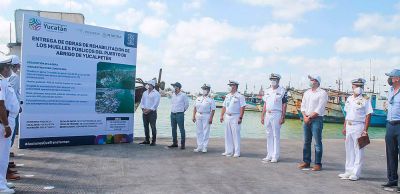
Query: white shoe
x: 236, y: 156
x: 274, y: 160
x: 353, y: 178
x: 266, y: 159
x: 196, y: 150
x: 345, y: 175
x: 226, y: 154
x: 10, y: 185
x: 7, y: 191
x: 204, y: 150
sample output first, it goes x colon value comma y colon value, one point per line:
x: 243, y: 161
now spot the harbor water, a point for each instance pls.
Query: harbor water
x: 251, y: 126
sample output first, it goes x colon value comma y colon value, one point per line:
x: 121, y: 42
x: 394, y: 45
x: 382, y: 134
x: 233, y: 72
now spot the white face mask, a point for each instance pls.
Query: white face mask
x: 274, y: 83
x: 147, y: 86
x: 205, y: 92
x: 311, y: 84
x: 229, y: 88
x: 358, y: 91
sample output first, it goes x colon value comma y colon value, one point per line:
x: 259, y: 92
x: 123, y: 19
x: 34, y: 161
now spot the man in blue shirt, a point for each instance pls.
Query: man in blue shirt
x: 392, y: 137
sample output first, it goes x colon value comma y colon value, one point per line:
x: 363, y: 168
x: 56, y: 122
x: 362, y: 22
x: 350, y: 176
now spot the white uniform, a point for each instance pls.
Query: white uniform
x: 273, y: 99
x: 12, y: 105
x: 233, y: 103
x: 204, y: 106
x: 357, y: 108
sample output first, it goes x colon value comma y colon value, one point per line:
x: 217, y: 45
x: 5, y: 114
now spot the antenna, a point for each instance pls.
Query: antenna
x: 10, y: 32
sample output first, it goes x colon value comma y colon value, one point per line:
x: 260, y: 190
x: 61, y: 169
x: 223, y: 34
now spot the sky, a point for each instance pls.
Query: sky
x: 214, y: 41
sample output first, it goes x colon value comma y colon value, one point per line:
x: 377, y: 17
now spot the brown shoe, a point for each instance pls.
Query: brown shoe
x: 317, y: 167
x: 303, y: 165
x: 12, y: 154
x: 12, y: 177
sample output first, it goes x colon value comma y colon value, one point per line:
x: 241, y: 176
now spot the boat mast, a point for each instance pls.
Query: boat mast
x: 339, y: 82
x: 372, y: 77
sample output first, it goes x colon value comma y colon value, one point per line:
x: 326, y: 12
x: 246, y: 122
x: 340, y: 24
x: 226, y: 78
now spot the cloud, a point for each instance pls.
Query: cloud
x: 153, y: 27
x: 5, y: 30
x: 108, y: 3
x: 377, y: 23
x: 3, y: 49
x: 277, y: 38
x: 193, y: 4
x: 68, y: 5
x: 366, y: 44
x: 287, y: 9
x: 129, y: 19
x: 4, y: 4
x: 158, y: 7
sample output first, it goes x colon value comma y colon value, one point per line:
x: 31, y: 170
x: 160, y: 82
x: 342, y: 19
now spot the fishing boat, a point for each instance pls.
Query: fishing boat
x: 333, y: 110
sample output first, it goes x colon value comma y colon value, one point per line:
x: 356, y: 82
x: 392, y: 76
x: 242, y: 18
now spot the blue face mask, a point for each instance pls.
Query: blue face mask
x: 390, y: 81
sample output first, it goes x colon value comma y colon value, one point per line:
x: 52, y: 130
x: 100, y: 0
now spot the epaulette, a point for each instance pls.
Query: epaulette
x: 366, y: 97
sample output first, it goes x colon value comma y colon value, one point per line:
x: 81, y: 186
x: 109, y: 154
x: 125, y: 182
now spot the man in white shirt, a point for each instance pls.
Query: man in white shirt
x: 358, y: 110
x: 180, y: 104
x: 273, y: 116
x: 149, y: 104
x: 313, y: 110
x: 232, y: 113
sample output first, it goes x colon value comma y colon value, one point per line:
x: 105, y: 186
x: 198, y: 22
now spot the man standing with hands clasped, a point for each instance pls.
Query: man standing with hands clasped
x: 180, y: 104
x: 273, y: 116
x: 313, y: 110
x: 232, y: 113
x: 358, y: 110
x: 149, y: 104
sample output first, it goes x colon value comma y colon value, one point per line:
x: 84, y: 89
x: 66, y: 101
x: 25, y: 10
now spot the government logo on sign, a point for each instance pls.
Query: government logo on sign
x: 35, y: 24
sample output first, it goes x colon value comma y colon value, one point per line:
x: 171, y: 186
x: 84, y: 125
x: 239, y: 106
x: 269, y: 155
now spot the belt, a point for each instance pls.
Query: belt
x: 175, y: 113
x: 231, y: 114
x: 204, y: 113
x: 394, y: 122
x: 273, y: 111
x: 354, y: 122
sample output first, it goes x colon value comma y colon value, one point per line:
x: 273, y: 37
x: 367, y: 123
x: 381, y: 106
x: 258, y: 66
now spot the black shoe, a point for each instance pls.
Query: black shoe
x: 398, y: 189
x: 153, y: 144
x: 144, y: 143
x: 173, y: 146
x: 182, y: 147
x: 390, y: 184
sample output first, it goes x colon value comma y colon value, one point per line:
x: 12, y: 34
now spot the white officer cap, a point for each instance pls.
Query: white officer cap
x: 14, y: 60
x: 233, y: 82
x: 358, y: 82
x: 206, y: 86
x: 5, y: 60
x: 274, y: 76
x: 151, y: 82
x: 315, y: 77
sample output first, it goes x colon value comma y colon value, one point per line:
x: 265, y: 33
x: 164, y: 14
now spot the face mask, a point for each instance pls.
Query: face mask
x: 311, y: 84
x: 358, y: 91
x: 390, y: 81
x: 229, y: 89
x: 147, y: 86
x: 274, y: 83
x: 205, y: 92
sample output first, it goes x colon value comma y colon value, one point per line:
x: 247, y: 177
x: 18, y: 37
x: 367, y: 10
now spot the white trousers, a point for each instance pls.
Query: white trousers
x: 5, y: 146
x: 232, y: 134
x: 273, y: 131
x: 203, y: 130
x: 354, y: 155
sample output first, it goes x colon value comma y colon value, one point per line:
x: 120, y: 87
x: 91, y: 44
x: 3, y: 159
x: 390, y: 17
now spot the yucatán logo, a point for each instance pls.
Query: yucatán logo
x: 35, y: 24
x: 54, y: 27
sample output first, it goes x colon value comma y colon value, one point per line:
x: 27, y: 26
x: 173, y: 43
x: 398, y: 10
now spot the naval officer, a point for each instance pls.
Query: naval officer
x: 392, y: 137
x: 358, y: 110
x: 232, y: 113
x: 203, y: 113
x: 273, y: 116
x: 9, y: 109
